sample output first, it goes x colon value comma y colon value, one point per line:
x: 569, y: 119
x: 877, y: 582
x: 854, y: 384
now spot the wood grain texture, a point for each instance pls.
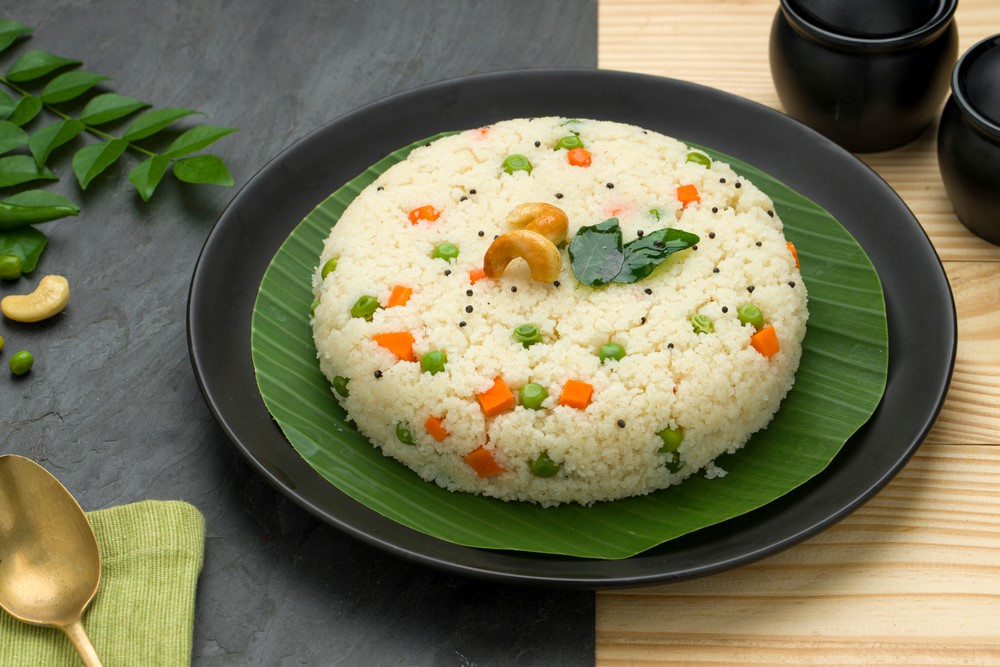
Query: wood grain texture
x: 913, y: 577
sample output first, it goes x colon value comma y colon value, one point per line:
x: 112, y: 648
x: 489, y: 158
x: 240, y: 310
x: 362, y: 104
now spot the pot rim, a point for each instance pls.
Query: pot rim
x: 928, y: 31
x: 979, y: 120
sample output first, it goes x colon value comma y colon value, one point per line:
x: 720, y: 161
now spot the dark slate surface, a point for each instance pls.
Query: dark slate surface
x: 112, y: 407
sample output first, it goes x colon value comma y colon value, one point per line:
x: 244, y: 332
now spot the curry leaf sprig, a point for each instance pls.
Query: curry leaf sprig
x: 41, y: 81
x: 599, y: 257
x: 45, y: 81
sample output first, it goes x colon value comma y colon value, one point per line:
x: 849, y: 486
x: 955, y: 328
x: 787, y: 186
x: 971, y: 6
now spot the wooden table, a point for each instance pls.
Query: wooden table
x: 913, y: 577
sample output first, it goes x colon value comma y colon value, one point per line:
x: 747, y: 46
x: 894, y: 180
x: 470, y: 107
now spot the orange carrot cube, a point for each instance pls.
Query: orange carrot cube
x: 688, y: 194
x: 765, y: 341
x: 435, y: 427
x: 482, y: 462
x: 576, y: 394
x: 428, y: 213
x: 399, y: 296
x: 399, y: 343
x: 496, y: 399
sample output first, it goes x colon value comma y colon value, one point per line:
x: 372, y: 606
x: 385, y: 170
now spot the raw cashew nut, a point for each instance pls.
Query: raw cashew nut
x: 548, y: 220
x: 540, y: 253
x: 48, y: 299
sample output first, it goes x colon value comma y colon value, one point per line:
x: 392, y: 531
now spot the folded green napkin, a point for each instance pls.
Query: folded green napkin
x: 143, y: 613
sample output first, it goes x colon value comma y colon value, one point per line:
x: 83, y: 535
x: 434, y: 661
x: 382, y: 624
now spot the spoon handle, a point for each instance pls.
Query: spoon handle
x: 82, y: 644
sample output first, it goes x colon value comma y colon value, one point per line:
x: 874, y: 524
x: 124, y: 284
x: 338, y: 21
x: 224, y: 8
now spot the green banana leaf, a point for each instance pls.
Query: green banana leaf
x: 838, y: 385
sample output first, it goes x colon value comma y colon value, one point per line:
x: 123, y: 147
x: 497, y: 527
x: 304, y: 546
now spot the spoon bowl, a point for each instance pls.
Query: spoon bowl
x: 50, y: 567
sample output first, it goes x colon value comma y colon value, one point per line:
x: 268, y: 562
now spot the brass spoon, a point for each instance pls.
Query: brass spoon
x: 49, y: 564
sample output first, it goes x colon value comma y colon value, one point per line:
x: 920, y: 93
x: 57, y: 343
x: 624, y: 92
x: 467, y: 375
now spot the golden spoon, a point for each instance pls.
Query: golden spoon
x: 49, y: 564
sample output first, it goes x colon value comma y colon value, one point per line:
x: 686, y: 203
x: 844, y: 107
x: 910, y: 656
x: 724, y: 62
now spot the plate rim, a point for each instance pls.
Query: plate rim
x: 556, y: 571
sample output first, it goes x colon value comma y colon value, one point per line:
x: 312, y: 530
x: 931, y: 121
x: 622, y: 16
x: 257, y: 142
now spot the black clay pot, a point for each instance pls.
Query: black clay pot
x: 869, y: 75
x: 969, y: 140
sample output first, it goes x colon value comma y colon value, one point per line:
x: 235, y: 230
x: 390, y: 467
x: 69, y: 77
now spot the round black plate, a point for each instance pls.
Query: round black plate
x: 919, y: 304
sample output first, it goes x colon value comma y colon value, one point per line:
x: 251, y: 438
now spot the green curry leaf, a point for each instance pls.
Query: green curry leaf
x: 596, y: 253
x: 35, y: 64
x: 26, y: 243
x: 598, y: 256
x: 646, y: 253
x: 10, y: 31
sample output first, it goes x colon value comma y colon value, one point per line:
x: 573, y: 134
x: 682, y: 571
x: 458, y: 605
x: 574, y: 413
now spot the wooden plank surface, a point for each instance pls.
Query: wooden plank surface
x: 913, y: 577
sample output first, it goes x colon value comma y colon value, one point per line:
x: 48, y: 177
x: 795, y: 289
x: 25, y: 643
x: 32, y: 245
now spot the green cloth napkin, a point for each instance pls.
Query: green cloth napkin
x: 143, y: 613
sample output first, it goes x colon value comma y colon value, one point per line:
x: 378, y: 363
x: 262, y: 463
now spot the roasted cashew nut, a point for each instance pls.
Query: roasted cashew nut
x: 548, y: 220
x: 48, y: 299
x: 540, y: 253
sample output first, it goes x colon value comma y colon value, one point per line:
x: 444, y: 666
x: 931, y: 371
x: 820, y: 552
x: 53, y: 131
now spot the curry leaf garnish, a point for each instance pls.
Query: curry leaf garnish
x: 644, y: 254
x: 596, y: 253
x: 598, y: 256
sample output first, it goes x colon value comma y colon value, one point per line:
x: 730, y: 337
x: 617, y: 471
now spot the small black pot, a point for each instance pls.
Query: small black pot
x: 870, y: 82
x: 969, y: 140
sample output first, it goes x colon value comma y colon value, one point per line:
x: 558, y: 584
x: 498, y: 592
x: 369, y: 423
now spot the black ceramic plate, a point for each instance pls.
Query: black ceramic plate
x: 919, y: 305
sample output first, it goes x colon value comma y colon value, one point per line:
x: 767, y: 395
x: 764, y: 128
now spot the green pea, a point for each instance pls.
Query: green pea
x: 313, y: 307
x: 543, y: 466
x: 446, y: 251
x: 10, y: 267
x: 340, y: 385
x: 365, y: 307
x: 527, y: 334
x: 702, y: 324
x: 403, y: 433
x: 433, y: 362
x: 611, y: 351
x: 672, y: 439
x: 570, y: 142
x: 532, y: 395
x: 1, y: 343
x: 516, y: 162
x: 699, y: 158
x: 21, y: 362
x: 750, y: 314
x: 328, y: 268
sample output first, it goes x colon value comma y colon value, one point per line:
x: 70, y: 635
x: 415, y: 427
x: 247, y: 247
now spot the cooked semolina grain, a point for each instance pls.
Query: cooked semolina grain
x: 631, y: 386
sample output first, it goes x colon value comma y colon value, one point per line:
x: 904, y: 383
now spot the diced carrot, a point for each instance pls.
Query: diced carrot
x: 496, y: 399
x: 578, y: 157
x: 688, y: 194
x: 765, y: 341
x: 576, y: 394
x: 475, y: 275
x: 428, y: 213
x: 436, y: 429
x: 795, y: 254
x: 481, y: 460
x: 399, y: 296
x: 483, y: 131
x: 399, y: 343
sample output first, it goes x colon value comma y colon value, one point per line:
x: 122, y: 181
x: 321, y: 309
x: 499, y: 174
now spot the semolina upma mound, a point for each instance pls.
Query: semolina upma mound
x: 559, y: 310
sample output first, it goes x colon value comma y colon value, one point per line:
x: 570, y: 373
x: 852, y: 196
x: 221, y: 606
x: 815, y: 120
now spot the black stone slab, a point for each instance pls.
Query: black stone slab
x: 112, y: 407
